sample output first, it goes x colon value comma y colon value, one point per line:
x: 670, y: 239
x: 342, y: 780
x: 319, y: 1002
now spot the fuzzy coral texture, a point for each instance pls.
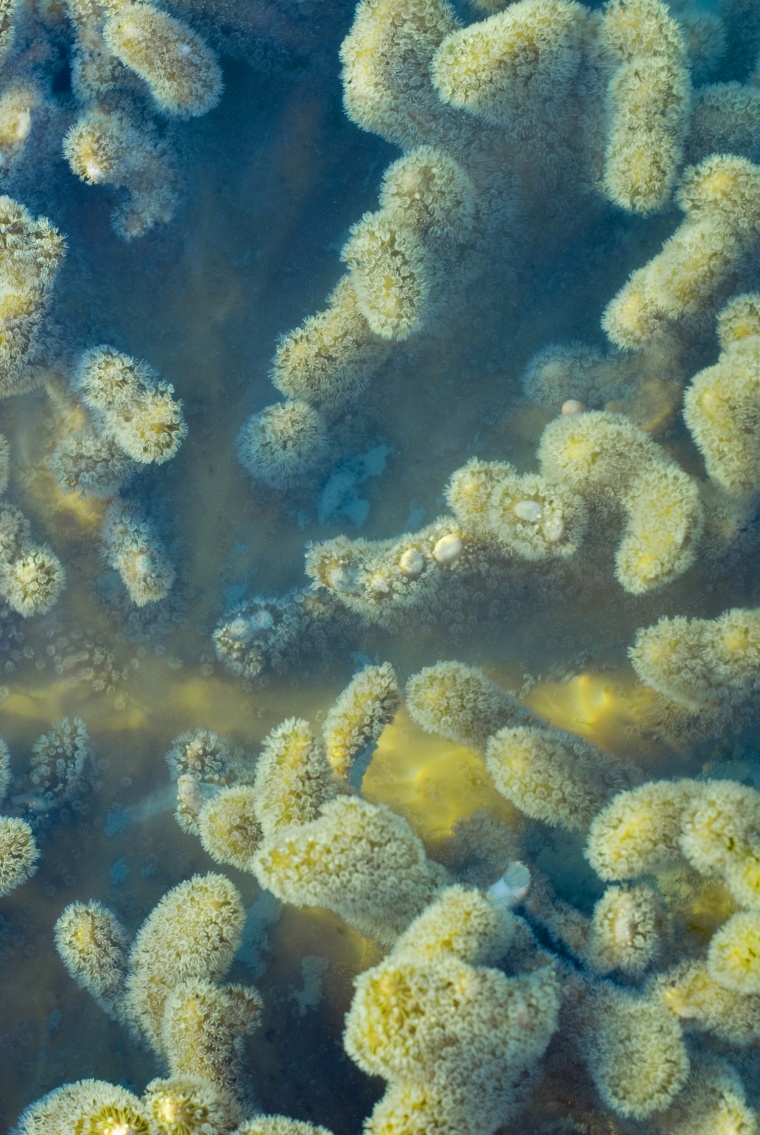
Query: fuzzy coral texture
x: 379, y: 603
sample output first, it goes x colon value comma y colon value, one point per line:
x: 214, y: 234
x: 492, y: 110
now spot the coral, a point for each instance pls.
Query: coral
x: 332, y: 357
x: 713, y: 1099
x: 430, y: 194
x: 697, y: 1000
x: 15, y: 533
x: 200, y: 761
x: 722, y: 404
x: 93, y: 945
x: 552, y: 776
x: 32, y: 583
x: 89, y: 463
x: 356, y: 720
x: 463, y: 922
x: 8, y: 17
x: 502, y: 67
x: 452, y: 1039
x: 627, y: 930
x: 278, y: 1125
x: 31, y: 252
x: 721, y: 199
x: 385, y: 581
x: 152, y: 428
x: 203, y: 1029
x: 460, y: 703
x: 133, y: 549
x: 647, y: 103
x: 201, y: 753
x: 193, y: 933
x: 616, y: 466
x: 5, y: 461
x: 386, y: 56
x: 734, y: 956
x: 638, y: 831
x: 228, y: 827
x: 5, y: 769
x: 89, y: 1105
x: 357, y: 859
x: 18, y: 853
x: 725, y: 119
x: 526, y: 515
x: 635, y: 1052
x: 188, y: 1105
x: 720, y: 836
x: 106, y: 149
x: 704, y: 34
x: 390, y: 274
x: 180, y: 70
x: 264, y: 635
x: 130, y: 406
x: 531, y: 900
x: 31, y: 575
x: 567, y: 372
x: 59, y: 762
x: 709, y: 665
x: 293, y: 779
x: 108, y: 381
x: 282, y: 443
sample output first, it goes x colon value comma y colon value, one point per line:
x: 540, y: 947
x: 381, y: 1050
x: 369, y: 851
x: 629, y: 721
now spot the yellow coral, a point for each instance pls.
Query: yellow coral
x: 357, y: 859
x: 106, y: 149
x: 648, y: 104
x: 552, y: 776
x: 91, y: 1106
x: 390, y: 274
x: 203, y: 1029
x: 722, y: 404
x: 695, y: 998
x: 386, y: 59
x: 460, y: 921
x: 180, y: 70
x: 626, y: 930
x: 514, y: 63
x: 701, y: 664
x: 638, y: 832
x: 134, y: 550
x: 293, y: 779
x: 93, y: 946
x: 354, y: 724
x: 228, y: 827
x: 635, y: 1052
x: 330, y: 359
x: 192, y: 933
x: 721, y: 197
x: 734, y: 956
x: 188, y: 1105
x: 465, y: 1033
x: 18, y: 853
x: 32, y: 583
x: 460, y: 703
x: 712, y: 1102
x: 282, y: 443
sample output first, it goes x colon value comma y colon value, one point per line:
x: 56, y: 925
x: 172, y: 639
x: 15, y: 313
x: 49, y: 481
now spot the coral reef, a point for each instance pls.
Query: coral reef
x: 446, y: 656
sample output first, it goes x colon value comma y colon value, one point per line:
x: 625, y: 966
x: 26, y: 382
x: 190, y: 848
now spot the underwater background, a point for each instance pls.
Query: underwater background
x: 266, y: 186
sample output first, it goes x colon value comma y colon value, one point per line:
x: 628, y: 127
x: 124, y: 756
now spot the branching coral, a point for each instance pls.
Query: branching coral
x: 357, y: 859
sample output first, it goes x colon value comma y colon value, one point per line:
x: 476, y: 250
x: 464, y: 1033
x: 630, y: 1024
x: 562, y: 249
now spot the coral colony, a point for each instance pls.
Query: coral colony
x: 466, y: 832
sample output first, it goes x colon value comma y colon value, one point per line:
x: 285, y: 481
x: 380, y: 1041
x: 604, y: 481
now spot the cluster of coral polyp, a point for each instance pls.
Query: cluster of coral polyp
x: 559, y: 910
